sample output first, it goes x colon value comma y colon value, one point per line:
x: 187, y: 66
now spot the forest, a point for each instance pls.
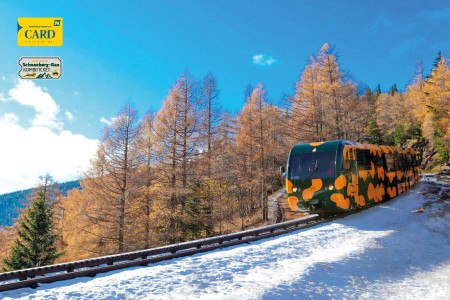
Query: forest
x: 193, y: 170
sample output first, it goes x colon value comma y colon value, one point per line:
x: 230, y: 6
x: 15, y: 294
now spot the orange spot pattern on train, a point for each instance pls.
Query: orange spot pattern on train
x: 353, y: 191
x: 364, y: 175
x: 293, y: 202
x: 375, y: 193
x: 340, y: 183
x: 316, y: 185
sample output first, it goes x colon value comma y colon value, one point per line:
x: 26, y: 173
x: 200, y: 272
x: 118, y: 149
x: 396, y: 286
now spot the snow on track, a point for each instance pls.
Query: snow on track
x: 388, y: 251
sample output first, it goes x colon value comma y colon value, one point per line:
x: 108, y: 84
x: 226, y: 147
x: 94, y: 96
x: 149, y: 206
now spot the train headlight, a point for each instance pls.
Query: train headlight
x: 294, y: 189
x: 330, y: 187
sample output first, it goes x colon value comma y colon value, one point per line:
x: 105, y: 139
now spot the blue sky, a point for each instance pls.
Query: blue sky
x: 118, y: 51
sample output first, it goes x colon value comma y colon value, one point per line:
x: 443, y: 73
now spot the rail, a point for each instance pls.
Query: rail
x: 90, y: 267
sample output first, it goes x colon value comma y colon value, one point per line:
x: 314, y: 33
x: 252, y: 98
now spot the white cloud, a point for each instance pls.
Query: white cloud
x: 69, y: 116
x: 4, y: 78
x: 107, y: 121
x: 76, y: 93
x: 9, y: 117
x: 27, y: 153
x: 263, y: 60
x: 27, y: 93
x: 31, y: 152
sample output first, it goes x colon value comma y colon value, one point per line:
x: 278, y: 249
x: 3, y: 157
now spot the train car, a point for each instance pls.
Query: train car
x: 339, y: 176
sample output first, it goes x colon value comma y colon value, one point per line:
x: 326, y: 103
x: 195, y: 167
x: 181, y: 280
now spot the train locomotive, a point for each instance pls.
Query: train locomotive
x: 339, y: 176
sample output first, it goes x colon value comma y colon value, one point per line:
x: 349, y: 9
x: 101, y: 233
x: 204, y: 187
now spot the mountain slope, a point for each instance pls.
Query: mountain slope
x: 398, y: 249
x: 12, y: 203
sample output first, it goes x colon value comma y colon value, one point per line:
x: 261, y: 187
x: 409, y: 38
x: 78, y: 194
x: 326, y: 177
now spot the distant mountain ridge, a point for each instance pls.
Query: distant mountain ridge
x: 12, y: 203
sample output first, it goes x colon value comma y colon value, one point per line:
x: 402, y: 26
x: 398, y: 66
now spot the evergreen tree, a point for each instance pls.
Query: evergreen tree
x: 393, y: 90
x: 373, y: 132
x: 438, y: 59
x: 400, y: 134
x: 373, y: 135
x: 35, y: 244
x: 377, y: 90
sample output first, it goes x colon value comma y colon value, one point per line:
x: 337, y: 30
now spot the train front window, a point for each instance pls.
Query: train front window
x: 312, y: 165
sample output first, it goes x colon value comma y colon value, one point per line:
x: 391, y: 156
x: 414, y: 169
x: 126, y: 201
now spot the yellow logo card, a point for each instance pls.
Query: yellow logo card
x: 39, y: 31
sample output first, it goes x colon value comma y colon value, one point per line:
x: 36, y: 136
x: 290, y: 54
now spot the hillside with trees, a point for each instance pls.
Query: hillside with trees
x: 193, y: 170
x: 12, y: 203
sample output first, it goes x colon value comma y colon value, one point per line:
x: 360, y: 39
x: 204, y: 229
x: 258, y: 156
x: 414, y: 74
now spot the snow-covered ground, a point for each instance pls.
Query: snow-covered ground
x: 399, y: 249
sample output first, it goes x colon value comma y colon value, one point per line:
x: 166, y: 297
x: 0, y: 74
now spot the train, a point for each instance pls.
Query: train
x: 340, y: 176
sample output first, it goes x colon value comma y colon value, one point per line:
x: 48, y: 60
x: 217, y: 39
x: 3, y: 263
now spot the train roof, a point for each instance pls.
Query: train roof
x: 326, y: 146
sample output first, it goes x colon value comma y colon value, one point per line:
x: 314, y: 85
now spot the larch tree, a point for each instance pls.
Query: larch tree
x: 209, y: 111
x: 76, y: 228
x: 110, y: 184
x: 437, y: 94
x: 415, y: 96
x: 207, y: 176
x: 252, y: 144
x: 388, y: 111
x: 176, y: 140
x: 325, y: 106
x: 145, y: 179
x: 306, y: 114
x: 226, y: 183
x: 355, y: 114
x: 35, y: 244
x: 338, y: 97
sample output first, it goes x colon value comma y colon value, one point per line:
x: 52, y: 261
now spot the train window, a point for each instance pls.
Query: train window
x: 363, y: 159
x: 378, y: 161
x: 312, y: 165
x: 400, y: 162
x: 409, y: 160
x: 390, y: 162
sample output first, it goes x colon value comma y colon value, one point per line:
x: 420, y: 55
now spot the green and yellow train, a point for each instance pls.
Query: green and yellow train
x: 339, y: 176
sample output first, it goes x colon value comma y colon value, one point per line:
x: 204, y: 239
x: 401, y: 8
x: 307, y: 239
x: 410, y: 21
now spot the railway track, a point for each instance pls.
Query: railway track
x: 91, y: 267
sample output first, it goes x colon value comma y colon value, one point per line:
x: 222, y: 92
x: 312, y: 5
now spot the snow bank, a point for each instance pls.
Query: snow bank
x: 394, y: 250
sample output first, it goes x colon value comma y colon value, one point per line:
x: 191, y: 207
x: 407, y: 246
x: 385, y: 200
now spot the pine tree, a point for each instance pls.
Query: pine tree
x: 35, y: 244
x: 373, y: 135
x: 377, y: 90
x: 400, y: 134
x: 373, y: 132
x: 393, y: 90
